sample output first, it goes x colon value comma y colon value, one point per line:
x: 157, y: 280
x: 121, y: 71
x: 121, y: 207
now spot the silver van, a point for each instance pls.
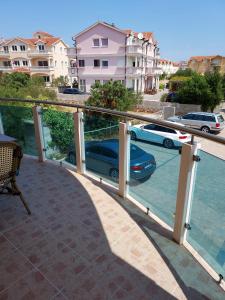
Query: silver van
x: 206, y: 122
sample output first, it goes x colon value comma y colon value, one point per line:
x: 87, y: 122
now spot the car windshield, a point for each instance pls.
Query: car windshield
x: 220, y: 118
x: 135, y: 152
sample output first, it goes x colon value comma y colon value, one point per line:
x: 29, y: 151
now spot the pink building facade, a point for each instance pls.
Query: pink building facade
x: 103, y: 52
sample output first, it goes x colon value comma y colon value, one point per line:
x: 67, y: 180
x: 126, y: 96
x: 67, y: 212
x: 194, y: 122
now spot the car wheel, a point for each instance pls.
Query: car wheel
x: 167, y: 143
x: 72, y: 158
x: 205, y: 129
x: 114, y: 174
x: 133, y: 135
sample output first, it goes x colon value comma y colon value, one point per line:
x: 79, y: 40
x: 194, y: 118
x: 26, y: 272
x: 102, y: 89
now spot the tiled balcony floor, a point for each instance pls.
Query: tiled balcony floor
x: 80, y: 243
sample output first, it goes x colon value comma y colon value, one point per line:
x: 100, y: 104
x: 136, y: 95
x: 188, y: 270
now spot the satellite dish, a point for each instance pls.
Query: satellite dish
x: 140, y: 35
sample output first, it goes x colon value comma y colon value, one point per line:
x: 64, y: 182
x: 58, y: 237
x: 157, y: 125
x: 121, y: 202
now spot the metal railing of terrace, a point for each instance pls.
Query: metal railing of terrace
x: 185, y: 192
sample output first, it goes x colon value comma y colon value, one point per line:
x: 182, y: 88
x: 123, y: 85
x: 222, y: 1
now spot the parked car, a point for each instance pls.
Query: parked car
x: 73, y: 91
x: 171, y: 97
x: 168, y: 137
x: 206, y: 122
x: 103, y: 157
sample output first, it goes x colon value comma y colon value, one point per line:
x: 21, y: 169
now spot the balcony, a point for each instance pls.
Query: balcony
x: 41, y: 68
x: 5, y: 68
x: 71, y: 52
x: 37, y: 53
x: 135, y: 71
x: 83, y: 239
x: 4, y: 53
x: 154, y: 71
x: 134, y: 50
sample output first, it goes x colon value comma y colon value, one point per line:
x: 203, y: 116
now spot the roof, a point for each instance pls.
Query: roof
x: 201, y: 58
x: 146, y: 34
x: 112, y: 26
x: 43, y: 33
x: 33, y: 41
x: 166, y: 61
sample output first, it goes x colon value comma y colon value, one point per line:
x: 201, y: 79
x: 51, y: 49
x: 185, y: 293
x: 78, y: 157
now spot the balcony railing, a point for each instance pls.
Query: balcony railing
x: 134, y: 49
x: 34, y: 68
x: 38, y: 52
x: 4, y: 53
x: 182, y: 185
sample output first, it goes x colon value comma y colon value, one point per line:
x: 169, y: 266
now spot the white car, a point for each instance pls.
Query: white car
x: 168, y: 137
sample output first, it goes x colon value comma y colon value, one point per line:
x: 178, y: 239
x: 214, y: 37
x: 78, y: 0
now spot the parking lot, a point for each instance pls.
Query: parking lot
x: 208, y: 205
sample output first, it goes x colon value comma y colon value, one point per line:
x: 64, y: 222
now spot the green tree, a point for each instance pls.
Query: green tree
x: 60, y: 81
x: 184, y: 73
x: 195, y: 91
x: 215, y: 82
x: 61, y: 128
x: 20, y: 85
x: 113, y: 95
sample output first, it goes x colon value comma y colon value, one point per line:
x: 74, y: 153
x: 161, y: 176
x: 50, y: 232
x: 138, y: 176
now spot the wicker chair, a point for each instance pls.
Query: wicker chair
x: 10, y: 158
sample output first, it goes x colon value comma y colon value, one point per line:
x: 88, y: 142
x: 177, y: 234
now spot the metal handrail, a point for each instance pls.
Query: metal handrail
x: 126, y: 115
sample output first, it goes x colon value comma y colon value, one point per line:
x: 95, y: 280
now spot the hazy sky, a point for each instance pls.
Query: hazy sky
x: 183, y: 28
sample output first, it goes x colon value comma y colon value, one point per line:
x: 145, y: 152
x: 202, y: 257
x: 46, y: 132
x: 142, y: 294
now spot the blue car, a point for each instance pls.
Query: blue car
x: 103, y: 157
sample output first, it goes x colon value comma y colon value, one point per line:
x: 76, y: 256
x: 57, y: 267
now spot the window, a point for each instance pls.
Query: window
x: 41, y: 48
x: 25, y: 63
x: 16, y: 63
x: 198, y: 117
x: 209, y: 118
x: 83, y: 85
x: 220, y: 118
x: 133, y: 63
x: 97, y: 81
x: 136, y: 152
x: 96, y: 63
x: 188, y: 117
x: 96, y: 43
x: 55, y: 63
x: 65, y: 63
x: 108, y: 153
x: 62, y: 64
x: 93, y: 149
x: 164, y: 129
x: 150, y: 127
x: 6, y: 49
x: 60, y: 49
x: 42, y: 63
x: 105, y: 63
x: 7, y: 63
x: 81, y: 63
x: 22, y: 48
x: 46, y: 78
x: 14, y: 48
x: 105, y: 42
x: 105, y: 81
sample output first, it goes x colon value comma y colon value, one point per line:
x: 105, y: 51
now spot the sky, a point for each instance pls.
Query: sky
x: 183, y: 28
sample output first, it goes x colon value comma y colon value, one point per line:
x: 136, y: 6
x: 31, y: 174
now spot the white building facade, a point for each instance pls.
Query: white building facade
x: 42, y: 55
x: 103, y: 52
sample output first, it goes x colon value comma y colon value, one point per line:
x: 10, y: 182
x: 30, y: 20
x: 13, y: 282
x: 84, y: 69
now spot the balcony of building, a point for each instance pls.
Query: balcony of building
x: 4, y: 54
x: 93, y: 235
x: 71, y: 52
x: 39, y: 53
x: 134, y: 50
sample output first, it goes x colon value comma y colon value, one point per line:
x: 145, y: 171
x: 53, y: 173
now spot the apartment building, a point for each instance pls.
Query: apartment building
x: 103, y: 52
x: 202, y: 64
x: 168, y: 67
x: 42, y: 55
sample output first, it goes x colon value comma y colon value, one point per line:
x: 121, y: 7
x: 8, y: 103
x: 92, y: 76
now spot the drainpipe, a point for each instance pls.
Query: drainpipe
x: 75, y: 46
x: 142, y: 60
x: 125, y: 75
x: 146, y: 61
